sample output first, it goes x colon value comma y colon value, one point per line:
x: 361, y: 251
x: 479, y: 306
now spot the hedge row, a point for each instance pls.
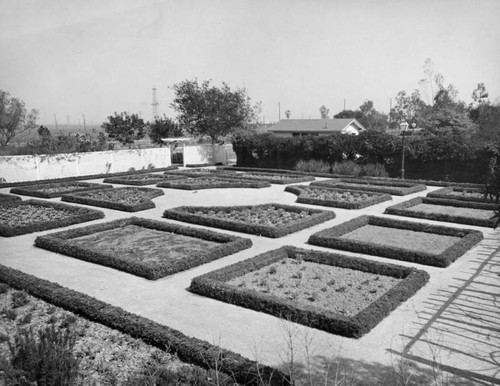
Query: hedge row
x: 406, y: 209
x: 147, y: 203
x: 187, y: 214
x: 396, y: 188
x: 140, y: 180
x: 272, y: 178
x: 304, y: 198
x: 193, y: 173
x: 61, y: 243
x: 77, y: 215
x: 8, y: 198
x: 87, y: 177
x: 214, y: 285
x: 199, y: 183
x: 447, y: 193
x: 37, y: 190
x: 331, y: 238
x: 188, y: 349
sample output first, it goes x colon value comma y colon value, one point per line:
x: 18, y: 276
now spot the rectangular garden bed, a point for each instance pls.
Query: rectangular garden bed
x: 141, y: 179
x: 390, y: 187
x: 339, y: 198
x: 147, y: 248
x: 57, y: 189
x: 128, y: 199
x: 8, y: 198
x: 336, y: 293
x: 401, y: 240
x: 212, y: 183
x: 193, y: 173
x: 28, y: 216
x: 459, y: 193
x: 273, y: 178
x: 270, y: 220
x: 461, y: 212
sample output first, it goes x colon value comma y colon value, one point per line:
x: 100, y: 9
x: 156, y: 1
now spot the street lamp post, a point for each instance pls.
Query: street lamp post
x: 403, y: 125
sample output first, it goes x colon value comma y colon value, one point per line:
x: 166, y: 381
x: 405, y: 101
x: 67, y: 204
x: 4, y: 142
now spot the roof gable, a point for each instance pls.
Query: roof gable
x: 315, y: 125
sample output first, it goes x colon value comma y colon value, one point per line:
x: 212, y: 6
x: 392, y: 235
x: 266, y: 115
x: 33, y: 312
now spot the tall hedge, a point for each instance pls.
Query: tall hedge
x: 436, y: 156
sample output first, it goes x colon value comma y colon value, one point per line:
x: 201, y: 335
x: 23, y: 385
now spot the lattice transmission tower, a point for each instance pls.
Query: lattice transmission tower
x: 155, y: 104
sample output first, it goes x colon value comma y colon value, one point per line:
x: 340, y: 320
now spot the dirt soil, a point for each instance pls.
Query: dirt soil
x: 134, y: 242
x: 402, y: 238
x: 338, y: 290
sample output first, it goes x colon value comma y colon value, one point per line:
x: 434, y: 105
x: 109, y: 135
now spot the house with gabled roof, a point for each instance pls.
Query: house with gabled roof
x: 316, y: 127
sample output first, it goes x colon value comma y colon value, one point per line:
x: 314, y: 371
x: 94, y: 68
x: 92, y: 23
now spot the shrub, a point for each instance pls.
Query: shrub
x: 314, y: 166
x: 4, y: 288
x: 45, y: 357
x: 19, y: 299
x: 349, y: 168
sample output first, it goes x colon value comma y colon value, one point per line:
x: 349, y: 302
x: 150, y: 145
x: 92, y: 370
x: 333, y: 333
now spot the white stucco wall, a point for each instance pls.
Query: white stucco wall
x: 205, y: 154
x: 38, y: 167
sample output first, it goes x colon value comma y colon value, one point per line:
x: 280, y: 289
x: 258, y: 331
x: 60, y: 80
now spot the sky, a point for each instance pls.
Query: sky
x: 75, y: 58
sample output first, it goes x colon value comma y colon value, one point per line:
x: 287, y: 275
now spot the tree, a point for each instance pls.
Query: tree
x: 356, y: 114
x: 324, y: 111
x: 125, y: 128
x: 204, y: 109
x: 163, y: 128
x: 14, y: 118
x: 371, y: 118
x: 287, y: 114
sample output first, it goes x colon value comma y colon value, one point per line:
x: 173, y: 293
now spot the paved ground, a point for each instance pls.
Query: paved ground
x: 449, y: 326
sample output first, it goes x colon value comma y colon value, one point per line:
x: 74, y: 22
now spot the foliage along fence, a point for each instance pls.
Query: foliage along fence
x: 447, y: 156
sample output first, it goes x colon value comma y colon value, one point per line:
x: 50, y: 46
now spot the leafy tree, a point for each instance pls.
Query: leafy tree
x: 125, y: 128
x: 163, y: 127
x: 324, y: 111
x: 287, y: 114
x: 14, y: 118
x: 409, y: 105
x: 208, y: 110
x: 371, y: 118
x: 356, y: 114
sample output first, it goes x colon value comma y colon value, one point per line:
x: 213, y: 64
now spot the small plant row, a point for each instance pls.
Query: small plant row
x: 273, y: 178
x: 140, y: 179
x: 474, y: 194
x: 188, y: 214
x: 402, y: 210
x: 331, y: 238
x: 394, y: 188
x: 126, y: 199
x: 305, y: 198
x: 4, y: 197
x: 188, y: 349
x: 199, y: 183
x: 57, y: 189
x: 61, y: 243
x: 214, y: 285
x: 67, y: 215
x: 86, y: 177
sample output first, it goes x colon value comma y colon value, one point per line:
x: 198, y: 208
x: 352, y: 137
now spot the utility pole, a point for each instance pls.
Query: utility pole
x: 344, y: 104
x: 83, y: 115
x: 155, y: 104
x: 55, y: 120
x: 279, y: 111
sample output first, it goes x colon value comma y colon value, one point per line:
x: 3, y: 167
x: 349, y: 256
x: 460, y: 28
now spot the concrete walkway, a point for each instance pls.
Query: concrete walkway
x: 450, y: 326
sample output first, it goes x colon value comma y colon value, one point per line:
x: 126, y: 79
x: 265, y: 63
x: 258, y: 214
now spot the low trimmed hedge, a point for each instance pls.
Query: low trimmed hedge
x: 188, y: 349
x: 140, y: 179
x: 87, y: 177
x: 61, y: 243
x: 8, y: 198
x: 85, y: 199
x: 331, y: 238
x: 186, y: 213
x: 78, y: 215
x: 402, y: 210
x: 447, y: 193
x: 288, y: 178
x: 214, y: 285
x: 37, y: 190
x: 303, y: 198
x: 199, y: 183
x: 390, y: 187
x: 194, y: 173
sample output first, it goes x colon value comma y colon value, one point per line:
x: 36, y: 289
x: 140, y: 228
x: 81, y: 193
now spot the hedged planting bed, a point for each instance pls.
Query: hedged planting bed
x: 459, y: 193
x: 28, y: 216
x: 273, y: 178
x: 339, y: 198
x: 140, y: 179
x: 270, y: 220
x: 57, y: 189
x: 143, y: 247
x: 390, y: 187
x: 401, y: 240
x: 461, y: 212
x: 128, y: 199
x: 8, y: 198
x: 199, y: 183
x: 403, y: 282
